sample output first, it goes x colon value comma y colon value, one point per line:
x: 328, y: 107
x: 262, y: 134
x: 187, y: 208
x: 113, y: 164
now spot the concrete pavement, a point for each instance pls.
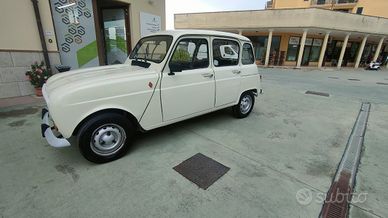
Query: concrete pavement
x: 291, y: 141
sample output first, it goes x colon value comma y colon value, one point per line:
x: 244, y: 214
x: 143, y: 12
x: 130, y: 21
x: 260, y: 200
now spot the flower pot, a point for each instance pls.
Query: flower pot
x: 38, y: 91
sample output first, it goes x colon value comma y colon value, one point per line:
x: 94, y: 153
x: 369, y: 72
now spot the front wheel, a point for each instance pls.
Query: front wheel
x: 245, y: 105
x: 105, y: 137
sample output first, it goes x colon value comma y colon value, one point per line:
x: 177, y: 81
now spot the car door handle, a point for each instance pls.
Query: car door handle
x: 207, y: 75
x: 236, y: 71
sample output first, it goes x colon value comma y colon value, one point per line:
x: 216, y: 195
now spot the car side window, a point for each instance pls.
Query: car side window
x: 225, y: 52
x: 247, y: 54
x: 191, y: 54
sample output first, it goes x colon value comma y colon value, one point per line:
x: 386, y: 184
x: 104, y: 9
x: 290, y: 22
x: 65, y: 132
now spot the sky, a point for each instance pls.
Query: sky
x: 192, y: 6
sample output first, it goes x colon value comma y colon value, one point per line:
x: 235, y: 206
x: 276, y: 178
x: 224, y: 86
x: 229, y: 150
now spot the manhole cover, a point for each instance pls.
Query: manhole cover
x: 317, y: 93
x: 201, y: 170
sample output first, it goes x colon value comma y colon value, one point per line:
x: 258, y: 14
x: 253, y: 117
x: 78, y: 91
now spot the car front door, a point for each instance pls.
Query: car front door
x: 193, y: 89
x: 226, y: 69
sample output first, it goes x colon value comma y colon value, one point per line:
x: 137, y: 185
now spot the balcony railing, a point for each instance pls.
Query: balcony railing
x: 332, y: 2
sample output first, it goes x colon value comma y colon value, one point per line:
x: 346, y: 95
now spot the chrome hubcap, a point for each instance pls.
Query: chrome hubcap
x: 246, y: 104
x: 108, y: 139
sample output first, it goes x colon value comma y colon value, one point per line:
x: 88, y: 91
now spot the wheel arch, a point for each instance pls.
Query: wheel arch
x: 253, y: 90
x: 126, y: 114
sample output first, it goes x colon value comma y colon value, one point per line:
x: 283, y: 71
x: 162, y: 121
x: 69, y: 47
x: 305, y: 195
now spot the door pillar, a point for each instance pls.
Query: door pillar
x: 360, y: 51
x: 339, y: 64
x: 302, y: 43
x: 323, y: 49
x: 268, y: 47
x: 378, y: 49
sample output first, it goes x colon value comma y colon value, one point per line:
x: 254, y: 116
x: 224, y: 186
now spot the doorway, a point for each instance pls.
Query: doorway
x: 306, y: 56
x: 113, y: 22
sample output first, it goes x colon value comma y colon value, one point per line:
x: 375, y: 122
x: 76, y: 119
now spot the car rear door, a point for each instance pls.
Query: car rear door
x: 226, y: 69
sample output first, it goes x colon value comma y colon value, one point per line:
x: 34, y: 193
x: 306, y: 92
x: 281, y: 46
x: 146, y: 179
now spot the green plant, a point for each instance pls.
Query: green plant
x: 181, y: 55
x: 38, y: 74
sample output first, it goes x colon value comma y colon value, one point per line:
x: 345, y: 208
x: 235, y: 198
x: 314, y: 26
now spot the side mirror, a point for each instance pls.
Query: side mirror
x: 174, y: 67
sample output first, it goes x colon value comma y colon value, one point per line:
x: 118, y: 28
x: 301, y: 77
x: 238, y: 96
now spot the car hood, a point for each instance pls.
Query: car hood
x: 82, y: 77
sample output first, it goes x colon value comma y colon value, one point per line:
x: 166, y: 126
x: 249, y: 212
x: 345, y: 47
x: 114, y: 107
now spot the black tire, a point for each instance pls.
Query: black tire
x: 105, y: 137
x: 245, y: 105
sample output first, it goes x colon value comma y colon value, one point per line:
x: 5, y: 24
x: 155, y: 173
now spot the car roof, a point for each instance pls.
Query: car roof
x: 181, y: 32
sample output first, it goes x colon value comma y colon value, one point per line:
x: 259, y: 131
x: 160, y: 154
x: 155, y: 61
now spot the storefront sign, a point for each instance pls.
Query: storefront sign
x: 317, y: 42
x: 149, y: 23
x: 340, y: 44
x: 294, y: 40
x: 309, y: 42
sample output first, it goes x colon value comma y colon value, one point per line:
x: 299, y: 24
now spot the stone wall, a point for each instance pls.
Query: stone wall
x: 13, y: 65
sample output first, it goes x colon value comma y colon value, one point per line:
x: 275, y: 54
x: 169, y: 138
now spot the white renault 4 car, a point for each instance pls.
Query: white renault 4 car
x: 169, y: 76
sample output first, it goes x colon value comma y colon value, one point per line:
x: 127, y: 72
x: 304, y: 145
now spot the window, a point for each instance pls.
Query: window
x: 260, y: 45
x: 293, y: 47
x: 312, y: 49
x: 359, y: 10
x: 315, y: 50
x: 152, y: 48
x: 191, y: 54
x: 247, y: 54
x: 225, y: 52
x: 321, y: 2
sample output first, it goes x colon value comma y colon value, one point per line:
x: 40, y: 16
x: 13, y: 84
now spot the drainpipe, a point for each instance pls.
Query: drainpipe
x: 41, y: 34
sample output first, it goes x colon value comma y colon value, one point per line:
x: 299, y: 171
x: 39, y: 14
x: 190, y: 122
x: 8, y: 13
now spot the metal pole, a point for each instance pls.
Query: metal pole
x: 41, y: 34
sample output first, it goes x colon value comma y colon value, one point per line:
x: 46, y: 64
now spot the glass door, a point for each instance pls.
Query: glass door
x: 306, y: 56
x: 115, y: 40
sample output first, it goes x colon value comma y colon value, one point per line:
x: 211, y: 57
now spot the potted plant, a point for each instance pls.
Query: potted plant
x: 38, y: 75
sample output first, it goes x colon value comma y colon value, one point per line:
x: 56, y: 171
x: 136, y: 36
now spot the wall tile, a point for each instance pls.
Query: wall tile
x: 26, y: 88
x: 24, y: 59
x: 8, y: 90
x: 5, y: 59
x: 13, y: 74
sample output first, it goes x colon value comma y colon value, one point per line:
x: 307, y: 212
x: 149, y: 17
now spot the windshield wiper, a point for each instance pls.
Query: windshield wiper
x: 141, y: 63
x: 146, y: 55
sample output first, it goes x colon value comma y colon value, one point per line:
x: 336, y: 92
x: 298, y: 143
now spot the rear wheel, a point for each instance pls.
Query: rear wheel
x: 105, y: 137
x: 245, y: 105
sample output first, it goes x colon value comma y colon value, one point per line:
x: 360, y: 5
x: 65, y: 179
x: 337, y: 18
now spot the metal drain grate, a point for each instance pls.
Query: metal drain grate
x: 340, y: 193
x: 354, y: 79
x: 382, y: 83
x: 333, y: 77
x: 201, y: 170
x: 317, y: 93
x: 338, y: 197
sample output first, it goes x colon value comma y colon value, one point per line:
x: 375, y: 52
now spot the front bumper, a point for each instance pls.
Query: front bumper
x: 48, y: 133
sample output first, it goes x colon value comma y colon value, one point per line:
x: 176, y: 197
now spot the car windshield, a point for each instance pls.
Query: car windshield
x: 153, y: 48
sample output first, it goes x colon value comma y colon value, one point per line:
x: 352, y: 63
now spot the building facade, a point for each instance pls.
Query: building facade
x: 76, y: 33
x: 313, y: 33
